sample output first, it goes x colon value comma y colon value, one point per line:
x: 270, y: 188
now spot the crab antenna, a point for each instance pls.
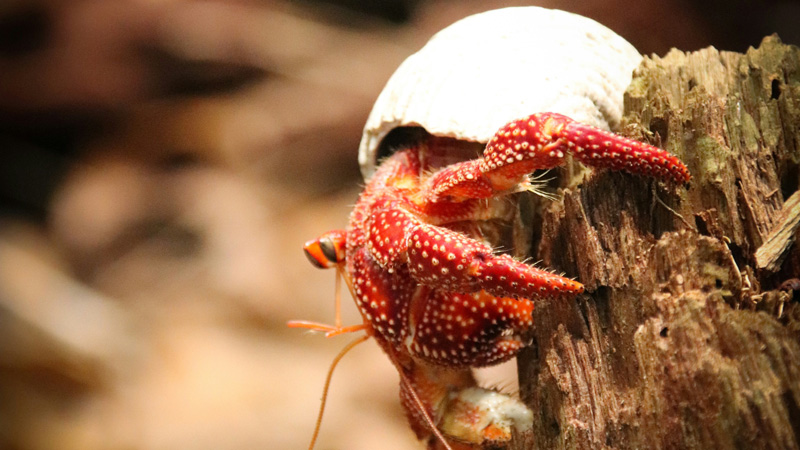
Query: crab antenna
x: 424, y: 411
x: 337, y: 321
x: 341, y: 270
x: 335, y: 362
x: 337, y: 328
x: 404, y: 379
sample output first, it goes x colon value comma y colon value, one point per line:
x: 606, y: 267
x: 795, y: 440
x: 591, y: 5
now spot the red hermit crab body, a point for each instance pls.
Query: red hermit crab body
x: 441, y: 295
x: 431, y: 291
x: 436, y: 298
x: 423, y: 279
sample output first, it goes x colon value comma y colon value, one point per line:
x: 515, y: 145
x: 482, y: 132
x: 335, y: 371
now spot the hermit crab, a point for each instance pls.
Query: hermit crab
x: 532, y: 86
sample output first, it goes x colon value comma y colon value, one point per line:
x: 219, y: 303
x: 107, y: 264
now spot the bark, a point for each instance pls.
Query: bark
x: 688, y: 336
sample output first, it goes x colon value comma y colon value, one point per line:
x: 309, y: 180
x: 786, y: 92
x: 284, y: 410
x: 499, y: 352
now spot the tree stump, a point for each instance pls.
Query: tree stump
x: 688, y: 336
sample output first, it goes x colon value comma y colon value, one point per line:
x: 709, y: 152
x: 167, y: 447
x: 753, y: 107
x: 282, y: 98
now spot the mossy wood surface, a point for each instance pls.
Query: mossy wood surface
x: 688, y: 336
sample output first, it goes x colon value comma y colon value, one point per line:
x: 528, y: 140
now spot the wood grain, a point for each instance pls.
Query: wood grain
x: 678, y: 342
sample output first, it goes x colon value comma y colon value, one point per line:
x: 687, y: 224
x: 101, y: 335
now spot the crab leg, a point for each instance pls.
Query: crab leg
x: 440, y: 257
x: 468, y: 330
x: 445, y: 258
x: 477, y: 417
x: 541, y: 141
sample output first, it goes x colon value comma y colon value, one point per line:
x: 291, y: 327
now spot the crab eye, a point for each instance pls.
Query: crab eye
x: 328, y: 248
x: 317, y: 254
x: 326, y: 251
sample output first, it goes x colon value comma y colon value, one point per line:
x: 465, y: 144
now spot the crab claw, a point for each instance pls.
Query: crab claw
x: 542, y: 141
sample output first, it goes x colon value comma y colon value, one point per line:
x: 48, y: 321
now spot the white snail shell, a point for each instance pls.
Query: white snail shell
x: 488, y: 69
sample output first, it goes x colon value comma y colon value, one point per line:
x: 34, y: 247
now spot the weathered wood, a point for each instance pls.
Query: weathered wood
x: 679, y: 342
x: 781, y: 238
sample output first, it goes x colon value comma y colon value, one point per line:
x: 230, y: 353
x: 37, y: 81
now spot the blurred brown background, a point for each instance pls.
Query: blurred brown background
x: 161, y: 164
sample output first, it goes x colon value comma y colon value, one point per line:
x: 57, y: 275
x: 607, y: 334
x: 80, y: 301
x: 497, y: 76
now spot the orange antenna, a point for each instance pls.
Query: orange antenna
x: 337, y: 328
x: 335, y: 362
x: 424, y: 411
x: 320, y: 256
x: 428, y: 419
